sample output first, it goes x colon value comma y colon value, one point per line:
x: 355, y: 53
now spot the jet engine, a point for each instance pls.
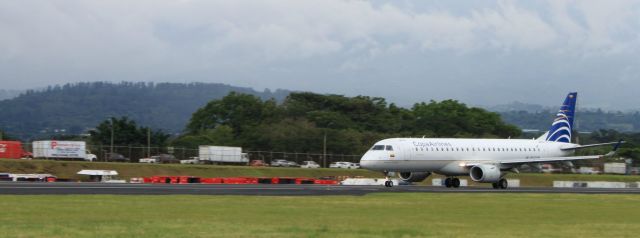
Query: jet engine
x: 486, y: 173
x: 413, y: 177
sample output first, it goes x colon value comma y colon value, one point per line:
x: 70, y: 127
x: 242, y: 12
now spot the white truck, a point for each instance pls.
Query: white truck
x: 615, y: 168
x: 221, y: 154
x: 53, y: 149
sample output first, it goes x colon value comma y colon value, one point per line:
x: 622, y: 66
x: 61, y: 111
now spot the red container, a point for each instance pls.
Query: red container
x: 325, y: 182
x: 11, y: 150
x: 189, y: 179
x: 240, y: 180
x: 211, y: 180
x: 305, y: 181
x: 164, y: 179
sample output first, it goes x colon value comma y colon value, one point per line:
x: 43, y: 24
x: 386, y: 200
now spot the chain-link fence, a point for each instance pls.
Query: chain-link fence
x: 131, y: 153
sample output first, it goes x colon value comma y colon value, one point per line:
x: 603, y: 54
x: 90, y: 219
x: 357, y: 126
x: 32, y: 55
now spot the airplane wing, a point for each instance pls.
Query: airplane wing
x: 617, y: 144
x: 550, y: 159
x: 531, y: 160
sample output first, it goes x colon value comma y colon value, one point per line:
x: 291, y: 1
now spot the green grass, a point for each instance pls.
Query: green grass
x: 375, y: 215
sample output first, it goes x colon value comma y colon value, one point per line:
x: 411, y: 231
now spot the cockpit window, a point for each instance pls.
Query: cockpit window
x: 377, y: 147
x: 390, y: 148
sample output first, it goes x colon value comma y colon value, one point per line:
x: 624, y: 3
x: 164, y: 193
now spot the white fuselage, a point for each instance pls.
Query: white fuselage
x: 450, y: 156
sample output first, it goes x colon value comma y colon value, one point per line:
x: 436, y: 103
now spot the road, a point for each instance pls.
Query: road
x: 27, y: 188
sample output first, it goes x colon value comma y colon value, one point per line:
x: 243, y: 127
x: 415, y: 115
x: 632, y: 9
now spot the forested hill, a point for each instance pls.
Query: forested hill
x: 8, y: 94
x: 73, y: 108
x: 531, y: 116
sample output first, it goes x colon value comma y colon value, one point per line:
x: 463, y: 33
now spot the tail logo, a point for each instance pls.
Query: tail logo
x: 560, y: 130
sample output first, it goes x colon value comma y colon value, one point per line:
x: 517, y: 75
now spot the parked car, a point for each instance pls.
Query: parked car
x: 309, y: 165
x: 344, y: 165
x: 283, y: 163
x: 258, y: 163
x: 340, y: 165
x: 161, y: 158
x: 279, y: 163
x: 292, y: 164
x: 191, y: 160
x: 147, y: 160
x: 115, y: 157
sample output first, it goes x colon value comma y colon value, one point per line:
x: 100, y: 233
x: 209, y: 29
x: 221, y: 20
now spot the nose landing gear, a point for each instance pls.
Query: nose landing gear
x: 387, y: 182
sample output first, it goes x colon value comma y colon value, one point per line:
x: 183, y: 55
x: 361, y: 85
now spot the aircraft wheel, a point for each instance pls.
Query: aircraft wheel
x: 455, y: 182
x: 503, y: 184
x: 447, y: 182
x: 494, y: 185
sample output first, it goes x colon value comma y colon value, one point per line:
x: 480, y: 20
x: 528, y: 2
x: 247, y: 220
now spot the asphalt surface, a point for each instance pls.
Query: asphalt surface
x: 32, y: 188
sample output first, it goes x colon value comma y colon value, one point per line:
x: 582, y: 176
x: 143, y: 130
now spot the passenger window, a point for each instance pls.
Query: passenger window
x: 390, y: 148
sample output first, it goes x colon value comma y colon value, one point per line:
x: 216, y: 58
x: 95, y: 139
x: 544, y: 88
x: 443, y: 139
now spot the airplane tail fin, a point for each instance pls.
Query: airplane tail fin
x: 562, y: 125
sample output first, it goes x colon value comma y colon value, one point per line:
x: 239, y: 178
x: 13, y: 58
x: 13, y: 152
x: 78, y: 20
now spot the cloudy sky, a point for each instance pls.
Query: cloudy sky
x: 479, y: 52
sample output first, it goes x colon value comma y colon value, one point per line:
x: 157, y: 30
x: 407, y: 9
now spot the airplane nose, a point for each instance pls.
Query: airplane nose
x: 365, y: 161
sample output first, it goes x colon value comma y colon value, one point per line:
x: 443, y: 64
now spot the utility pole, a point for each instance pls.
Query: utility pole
x: 148, y: 142
x: 324, y: 149
x: 112, y: 125
x: 324, y: 146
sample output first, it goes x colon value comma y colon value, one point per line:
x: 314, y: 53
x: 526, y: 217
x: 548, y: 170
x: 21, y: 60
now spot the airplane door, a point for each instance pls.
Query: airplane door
x: 403, y: 152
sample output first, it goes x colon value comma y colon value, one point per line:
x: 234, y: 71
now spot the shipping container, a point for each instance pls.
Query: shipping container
x: 52, y: 149
x: 222, y: 154
x: 11, y: 150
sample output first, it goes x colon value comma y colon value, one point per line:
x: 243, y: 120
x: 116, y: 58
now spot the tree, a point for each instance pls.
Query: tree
x: 351, y: 124
x: 126, y: 132
x: 450, y: 118
x: 238, y: 111
x: 221, y: 135
x: 5, y: 136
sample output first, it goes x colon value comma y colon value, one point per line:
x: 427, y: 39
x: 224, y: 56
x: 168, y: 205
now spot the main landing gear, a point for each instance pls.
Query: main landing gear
x: 452, y: 182
x: 501, y: 184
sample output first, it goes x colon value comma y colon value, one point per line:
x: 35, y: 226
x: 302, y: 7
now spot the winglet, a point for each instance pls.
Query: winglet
x: 620, y: 142
x: 615, y: 148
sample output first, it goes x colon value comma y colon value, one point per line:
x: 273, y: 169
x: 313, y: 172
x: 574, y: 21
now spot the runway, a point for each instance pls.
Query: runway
x: 27, y: 188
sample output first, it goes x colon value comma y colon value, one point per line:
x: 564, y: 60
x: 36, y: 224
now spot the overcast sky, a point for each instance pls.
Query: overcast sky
x: 479, y: 52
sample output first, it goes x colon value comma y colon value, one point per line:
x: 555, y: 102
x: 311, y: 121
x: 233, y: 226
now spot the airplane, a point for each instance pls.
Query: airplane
x: 483, y: 160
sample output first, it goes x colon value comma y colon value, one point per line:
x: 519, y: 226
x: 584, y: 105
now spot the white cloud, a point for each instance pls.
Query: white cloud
x: 320, y: 45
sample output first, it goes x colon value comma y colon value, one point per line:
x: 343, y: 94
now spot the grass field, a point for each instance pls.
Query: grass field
x: 68, y: 169
x: 375, y: 215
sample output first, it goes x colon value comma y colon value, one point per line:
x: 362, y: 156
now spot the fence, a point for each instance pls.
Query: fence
x: 134, y: 153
